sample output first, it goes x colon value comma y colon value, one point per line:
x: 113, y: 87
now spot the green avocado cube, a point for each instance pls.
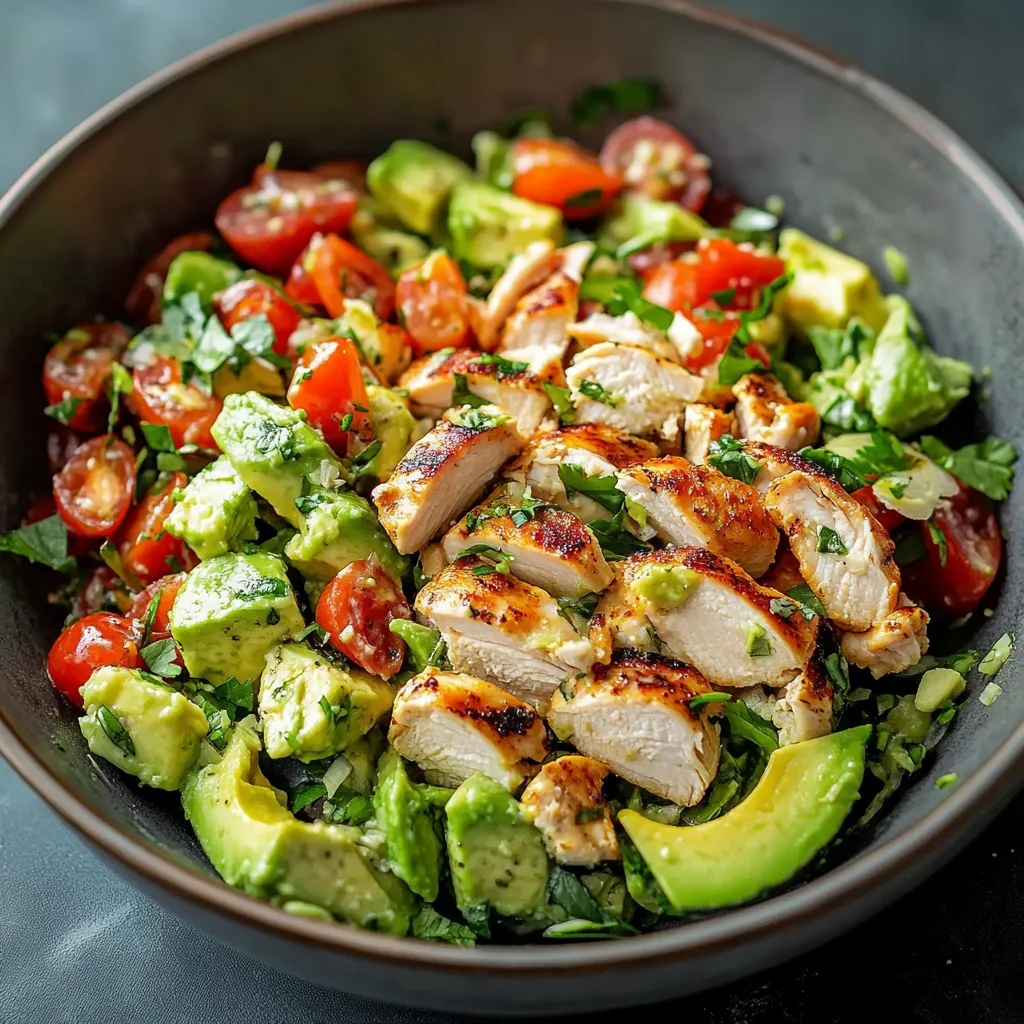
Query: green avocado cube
x: 198, y: 272
x: 216, y: 513
x: 637, y: 221
x: 230, y: 611
x: 312, y: 708
x: 393, y: 425
x: 274, y: 450
x: 488, y: 226
x: 146, y: 728
x: 379, y: 235
x: 413, y: 179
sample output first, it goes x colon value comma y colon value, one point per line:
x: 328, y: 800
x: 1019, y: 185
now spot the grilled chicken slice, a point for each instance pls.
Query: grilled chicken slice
x: 697, y: 505
x: 627, y: 329
x: 703, y: 424
x: 453, y: 725
x: 803, y: 710
x: 535, y: 333
x: 596, y: 450
x: 775, y: 462
x: 630, y: 388
x: 503, y: 629
x: 550, y: 548
x: 765, y: 412
x: 565, y: 802
x: 891, y: 645
x: 430, y: 382
x: 443, y: 473
x: 704, y: 610
x: 844, y: 554
x: 525, y: 271
x: 634, y: 716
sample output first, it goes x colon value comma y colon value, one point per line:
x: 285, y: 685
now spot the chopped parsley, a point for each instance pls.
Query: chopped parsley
x: 362, y: 459
x: 461, y: 395
x: 839, y: 468
x: 784, y: 607
x: 728, y: 456
x: 305, y: 794
x: 64, y: 411
x: 561, y: 401
x: 578, y: 613
x: 758, y: 644
x: 44, y: 542
x: 503, y: 367
x: 522, y: 513
x: 829, y: 542
x: 627, y: 297
x: 735, y: 362
x: 602, y: 489
x: 114, y: 730
x: 597, y: 392
x: 986, y: 466
x: 623, y: 95
x: 158, y: 437
x: 615, y: 539
x: 240, y: 694
x: 807, y: 599
x: 491, y: 559
x: 161, y: 658
x: 938, y: 537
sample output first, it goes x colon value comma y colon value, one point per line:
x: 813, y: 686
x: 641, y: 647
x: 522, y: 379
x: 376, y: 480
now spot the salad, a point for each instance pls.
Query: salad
x: 547, y: 546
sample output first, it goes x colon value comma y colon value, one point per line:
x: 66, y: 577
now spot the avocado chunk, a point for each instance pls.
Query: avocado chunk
x: 637, y: 221
x: 798, y: 806
x: 274, y: 450
x: 201, y: 273
x: 497, y: 857
x: 413, y: 179
x: 311, y: 708
x: 340, y: 527
x: 393, y: 425
x: 216, y: 513
x: 230, y: 611
x: 379, y: 234
x: 406, y: 817
x: 256, y: 844
x: 146, y: 728
x: 828, y: 287
x: 489, y: 226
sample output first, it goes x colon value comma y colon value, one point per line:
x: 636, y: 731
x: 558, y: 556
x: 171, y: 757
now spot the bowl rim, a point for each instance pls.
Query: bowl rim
x: 931, y: 840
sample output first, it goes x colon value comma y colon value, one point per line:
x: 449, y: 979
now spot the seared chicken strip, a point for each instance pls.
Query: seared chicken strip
x: 766, y: 413
x: 503, y: 629
x: 844, y: 554
x: 703, y: 424
x: 891, y: 645
x: 705, y: 610
x: 535, y: 333
x: 634, y: 716
x: 443, y: 473
x: 775, y: 462
x: 627, y: 329
x: 550, y: 548
x: 629, y: 387
x: 803, y: 710
x: 525, y: 270
x: 454, y: 725
x: 565, y: 802
x: 697, y: 505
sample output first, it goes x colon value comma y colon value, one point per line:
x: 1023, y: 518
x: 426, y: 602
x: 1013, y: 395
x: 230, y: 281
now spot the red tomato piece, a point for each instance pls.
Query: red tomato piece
x: 90, y: 643
x: 646, y: 261
x: 654, y: 158
x: 78, y: 367
x: 185, y: 409
x: 250, y: 297
x: 889, y: 519
x: 300, y: 285
x: 356, y: 609
x: 269, y: 222
x: 431, y: 300
x: 327, y: 386
x: 352, y: 172
x: 93, y: 492
x: 341, y: 271
x: 163, y: 590
x: 148, y: 551
x: 144, y: 304
x: 562, y: 174
x: 102, y: 590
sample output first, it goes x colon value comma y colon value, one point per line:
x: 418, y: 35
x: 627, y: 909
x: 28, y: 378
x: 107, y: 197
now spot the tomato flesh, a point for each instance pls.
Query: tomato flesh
x: 164, y: 589
x: 248, y: 298
x: 148, y: 551
x: 888, y: 518
x: 79, y: 367
x: 160, y: 397
x: 327, y: 386
x: 341, y: 271
x: 356, y: 609
x: 562, y: 174
x: 90, y: 643
x: 93, y: 492
x: 144, y: 304
x: 431, y: 301
x: 300, y: 285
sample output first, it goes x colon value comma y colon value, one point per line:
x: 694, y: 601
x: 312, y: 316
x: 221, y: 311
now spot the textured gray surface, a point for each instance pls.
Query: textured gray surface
x: 77, y: 944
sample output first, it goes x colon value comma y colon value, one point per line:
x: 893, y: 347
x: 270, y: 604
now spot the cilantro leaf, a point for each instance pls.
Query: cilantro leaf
x: 615, y: 540
x: 158, y: 437
x: 837, y: 466
x: 568, y: 892
x: 627, y: 297
x: 504, y: 367
x: 160, y: 656
x: 461, y: 395
x: 758, y: 645
x: 234, y: 692
x: 619, y: 96
x: 120, y: 384
x: 431, y: 926
x: 560, y: 400
x: 64, y: 411
x: 597, y: 392
x: 305, y: 794
x: 882, y: 455
x: 114, y: 730
x: 491, y: 559
x: 807, y: 599
x: 578, y: 613
x: 735, y: 363
x: 728, y: 456
x: 829, y: 542
x: 744, y: 723
x: 602, y: 489
x: 44, y: 542
x: 938, y: 537
x: 986, y: 466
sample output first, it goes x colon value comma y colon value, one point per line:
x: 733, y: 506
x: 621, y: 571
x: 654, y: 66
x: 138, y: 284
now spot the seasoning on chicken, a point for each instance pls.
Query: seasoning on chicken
x: 894, y: 644
x: 844, y: 554
x: 565, y: 802
x: 443, y: 473
x: 703, y: 424
x: 634, y: 715
x: 454, y: 725
x: 766, y: 413
x: 535, y: 333
x: 524, y: 271
x: 774, y: 462
x: 803, y: 710
x: 627, y: 329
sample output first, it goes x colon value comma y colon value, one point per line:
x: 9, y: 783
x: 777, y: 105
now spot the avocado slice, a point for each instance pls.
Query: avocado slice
x: 393, y: 425
x: 256, y: 844
x: 413, y: 179
x: 802, y: 799
x: 379, y: 234
x: 497, y: 857
x: 488, y: 226
x: 636, y: 221
x: 196, y: 271
x: 145, y: 728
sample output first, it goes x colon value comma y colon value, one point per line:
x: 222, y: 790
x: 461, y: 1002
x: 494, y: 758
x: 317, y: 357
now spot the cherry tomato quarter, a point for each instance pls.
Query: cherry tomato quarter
x: 159, y: 396
x: 90, y: 643
x: 93, y: 492
x: 562, y: 174
x: 341, y: 271
x: 78, y: 367
x: 431, y: 300
x: 147, y: 550
x: 144, y: 304
x: 328, y: 386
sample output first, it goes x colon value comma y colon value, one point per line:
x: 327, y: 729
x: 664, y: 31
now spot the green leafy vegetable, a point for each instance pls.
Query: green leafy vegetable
x: 834, y: 346
x: 461, y: 395
x: 749, y: 726
x: 561, y: 401
x: 64, y: 411
x: 620, y: 96
x: 758, y: 644
x: 305, y: 794
x: 708, y: 698
x: 238, y: 694
x: 602, y: 489
x: 431, y: 926
x: 585, y: 815
x: 581, y: 200
x: 807, y: 599
x: 728, y: 456
x: 616, y: 541
x: 578, y: 613
x: 909, y: 549
x: 597, y: 392
x: 120, y: 384
x: 837, y: 466
x: 783, y: 607
x: 568, y: 892
x: 365, y: 456
x: 158, y: 437
x: 44, y: 542
x: 114, y: 730
x: 161, y: 658
x: 829, y: 542
x: 503, y: 367
x: 986, y: 466
x: 938, y: 538
x: 628, y: 298
x: 491, y: 559
x: 735, y: 363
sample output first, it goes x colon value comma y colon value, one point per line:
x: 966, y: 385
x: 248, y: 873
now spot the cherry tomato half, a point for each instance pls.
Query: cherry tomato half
x: 431, y: 301
x: 147, y: 549
x: 78, y: 367
x: 300, y: 285
x: 250, y: 297
x: 159, y: 396
x: 102, y: 590
x: 328, y: 384
x: 164, y: 590
x: 888, y: 518
x: 654, y: 158
x: 356, y: 608
x: 269, y: 222
x: 93, y: 492
x: 562, y: 174
x: 341, y: 271
x: 90, y: 643
x: 144, y: 304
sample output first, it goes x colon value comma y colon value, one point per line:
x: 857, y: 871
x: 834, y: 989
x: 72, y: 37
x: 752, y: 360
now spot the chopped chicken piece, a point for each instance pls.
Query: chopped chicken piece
x: 524, y: 271
x: 891, y: 645
x: 766, y: 413
x: 432, y: 559
x: 575, y: 258
x: 703, y: 424
x: 844, y: 554
x: 697, y: 505
x: 627, y: 329
x: 443, y: 473
x: 536, y: 332
x: 454, y: 725
x: 803, y: 710
x: 503, y: 629
x: 634, y: 716
x: 565, y: 802
x: 629, y: 387
x: 710, y: 613
x: 776, y: 462
x: 784, y: 573
x: 549, y: 547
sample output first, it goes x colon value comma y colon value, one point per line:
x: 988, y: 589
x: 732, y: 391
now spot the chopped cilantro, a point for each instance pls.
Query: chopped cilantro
x: 305, y: 794
x: 561, y: 401
x: 728, y: 456
x: 431, y: 926
x: 461, y: 395
x: 744, y: 723
x: 986, y: 466
x: 628, y: 297
x: 724, y: 297
x: 64, y: 411
x: 938, y: 538
x: 620, y: 96
x: 578, y: 613
x: 120, y: 384
x: 602, y: 489
x: 910, y: 548
x: 809, y: 603
x: 783, y: 607
x: 491, y: 559
x: 362, y: 459
x: 161, y: 657
x: 616, y: 541
x: 158, y: 437
x: 503, y: 367
x: 44, y: 542
x: 597, y: 392
x: 758, y: 644
x: 114, y: 730
x: 829, y: 542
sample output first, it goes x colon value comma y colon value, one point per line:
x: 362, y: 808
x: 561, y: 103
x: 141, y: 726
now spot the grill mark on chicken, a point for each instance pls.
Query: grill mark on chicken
x: 672, y: 678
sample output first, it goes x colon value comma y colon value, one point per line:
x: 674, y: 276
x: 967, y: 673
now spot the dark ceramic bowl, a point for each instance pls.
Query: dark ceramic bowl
x: 778, y: 117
